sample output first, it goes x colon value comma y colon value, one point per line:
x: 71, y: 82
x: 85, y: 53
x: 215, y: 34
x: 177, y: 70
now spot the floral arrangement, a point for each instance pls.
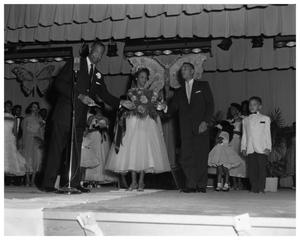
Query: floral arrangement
x: 145, y: 102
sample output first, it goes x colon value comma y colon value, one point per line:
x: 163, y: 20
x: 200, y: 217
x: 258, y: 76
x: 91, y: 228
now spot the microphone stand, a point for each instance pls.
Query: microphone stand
x: 70, y: 190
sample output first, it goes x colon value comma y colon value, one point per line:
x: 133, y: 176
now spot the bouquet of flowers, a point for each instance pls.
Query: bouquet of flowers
x: 145, y: 102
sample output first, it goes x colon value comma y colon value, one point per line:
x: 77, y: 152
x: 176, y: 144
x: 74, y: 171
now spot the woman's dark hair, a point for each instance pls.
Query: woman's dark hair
x: 145, y: 70
x: 28, y: 109
x: 245, y: 111
x: 235, y: 105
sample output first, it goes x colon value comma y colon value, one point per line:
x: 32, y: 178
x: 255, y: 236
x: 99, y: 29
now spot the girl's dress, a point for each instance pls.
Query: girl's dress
x: 223, y: 154
x: 95, y: 148
x: 14, y: 162
x: 31, y: 142
x: 143, y: 148
x: 235, y: 143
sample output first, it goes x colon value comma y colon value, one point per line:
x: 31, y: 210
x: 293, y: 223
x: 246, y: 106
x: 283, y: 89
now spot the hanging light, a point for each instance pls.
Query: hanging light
x: 112, y: 50
x: 225, y: 44
x: 157, y: 52
x: 33, y: 60
x: 9, y: 61
x: 139, y: 54
x: 58, y: 59
x: 167, y: 52
x: 129, y: 54
x: 257, y: 42
x: 196, y: 50
x: 284, y: 41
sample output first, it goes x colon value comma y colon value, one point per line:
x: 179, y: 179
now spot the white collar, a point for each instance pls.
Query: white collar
x: 190, y: 81
x: 88, y: 61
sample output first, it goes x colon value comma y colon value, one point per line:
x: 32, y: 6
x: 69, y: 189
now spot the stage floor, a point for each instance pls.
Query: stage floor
x: 279, y: 205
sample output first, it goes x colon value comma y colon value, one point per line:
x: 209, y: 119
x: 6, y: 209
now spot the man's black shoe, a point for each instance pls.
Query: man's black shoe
x: 49, y: 189
x: 203, y: 190
x: 188, y: 190
x: 83, y: 189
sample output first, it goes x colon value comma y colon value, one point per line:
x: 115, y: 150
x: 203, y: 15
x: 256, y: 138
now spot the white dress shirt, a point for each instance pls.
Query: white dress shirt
x: 256, y: 134
x: 188, y: 87
x: 89, y: 64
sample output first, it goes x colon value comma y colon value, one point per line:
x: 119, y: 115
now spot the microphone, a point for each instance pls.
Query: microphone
x: 76, y: 64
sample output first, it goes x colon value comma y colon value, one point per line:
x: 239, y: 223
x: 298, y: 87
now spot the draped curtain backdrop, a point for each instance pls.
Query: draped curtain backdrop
x: 234, y: 75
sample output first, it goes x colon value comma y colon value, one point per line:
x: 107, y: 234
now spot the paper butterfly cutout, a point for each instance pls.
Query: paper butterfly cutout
x: 31, y: 82
x: 160, y: 71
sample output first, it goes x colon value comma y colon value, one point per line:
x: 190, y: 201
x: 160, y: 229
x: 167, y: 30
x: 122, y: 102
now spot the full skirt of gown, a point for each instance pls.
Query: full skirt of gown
x: 143, y: 148
x: 95, y: 149
x: 239, y: 171
x: 223, y: 154
x: 14, y: 162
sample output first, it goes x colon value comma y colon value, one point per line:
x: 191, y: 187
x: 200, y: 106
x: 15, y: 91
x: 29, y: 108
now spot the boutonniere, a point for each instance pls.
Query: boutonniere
x: 98, y: 75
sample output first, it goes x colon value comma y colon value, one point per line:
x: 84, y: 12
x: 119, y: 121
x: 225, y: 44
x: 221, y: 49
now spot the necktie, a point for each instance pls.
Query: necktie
x: 188, y: 90
x: 91, y: 73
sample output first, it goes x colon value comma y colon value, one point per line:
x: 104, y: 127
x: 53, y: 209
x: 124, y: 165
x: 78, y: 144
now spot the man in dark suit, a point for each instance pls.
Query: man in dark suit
x: 89, y: 87
x: 17, y: 112
x: 195, y: 106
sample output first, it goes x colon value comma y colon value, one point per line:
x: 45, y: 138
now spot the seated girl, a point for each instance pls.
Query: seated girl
x: 222, y: 156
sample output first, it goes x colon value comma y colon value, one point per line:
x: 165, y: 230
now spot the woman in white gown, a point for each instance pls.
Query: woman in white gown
x: 143, y: 149
x: 14, y: 163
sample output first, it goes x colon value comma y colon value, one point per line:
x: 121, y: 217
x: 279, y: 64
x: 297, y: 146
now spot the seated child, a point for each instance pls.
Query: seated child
x: 223, y: 156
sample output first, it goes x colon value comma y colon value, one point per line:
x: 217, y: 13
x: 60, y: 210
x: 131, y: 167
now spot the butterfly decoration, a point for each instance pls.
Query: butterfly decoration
x: 167, y: 73
x: 195, y: 59
x: 31, y: 83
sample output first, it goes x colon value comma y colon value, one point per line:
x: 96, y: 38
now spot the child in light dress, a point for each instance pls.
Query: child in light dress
x: 222, y: 156
x: 95, y: 148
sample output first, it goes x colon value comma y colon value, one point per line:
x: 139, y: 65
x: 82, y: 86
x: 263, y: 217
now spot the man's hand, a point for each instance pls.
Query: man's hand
x: 267, y: 151
x: 127, y: 104
x: 202, y: 127
x: 161, y: 106
x: 86, y: 99
x: 244, y: 153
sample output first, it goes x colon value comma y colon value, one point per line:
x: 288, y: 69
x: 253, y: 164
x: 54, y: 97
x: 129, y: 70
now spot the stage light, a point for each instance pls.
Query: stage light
x: 33, y: 60
x: 148, y: 53
x: 225, y: 44
x: 129, y: 54
x: 138, y: 54
x: 186, y: 50
x: 285, y: 41
x: 196, y: 50
x: 112, y: 50
x: 291, y: 44
x: 257, y: 42
x: 157, y: 52
x: 167, y: 52
x: 58, y: 59
x: 9, y: 61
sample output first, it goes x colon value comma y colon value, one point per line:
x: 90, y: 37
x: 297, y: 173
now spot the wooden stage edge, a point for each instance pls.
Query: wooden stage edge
x: 150, y: 213
x: 65, y: 224
x: 127, y: 216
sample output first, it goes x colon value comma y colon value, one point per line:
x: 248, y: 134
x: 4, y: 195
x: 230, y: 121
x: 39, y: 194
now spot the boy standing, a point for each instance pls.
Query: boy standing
x: 256, y: 144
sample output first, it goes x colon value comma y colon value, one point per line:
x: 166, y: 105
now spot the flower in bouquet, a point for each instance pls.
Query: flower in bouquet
x: 141, y: 109
x: 143, y: 99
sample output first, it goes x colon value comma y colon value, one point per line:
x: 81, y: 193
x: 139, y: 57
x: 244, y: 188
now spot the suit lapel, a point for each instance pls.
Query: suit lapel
x: 194, y: 89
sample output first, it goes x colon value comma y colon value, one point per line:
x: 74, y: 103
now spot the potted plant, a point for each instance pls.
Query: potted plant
x: 276, y: 163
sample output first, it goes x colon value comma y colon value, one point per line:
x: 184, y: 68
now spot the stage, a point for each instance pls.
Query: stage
x: 152, y: 212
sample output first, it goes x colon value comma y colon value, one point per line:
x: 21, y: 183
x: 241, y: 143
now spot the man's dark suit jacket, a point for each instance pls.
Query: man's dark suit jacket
x: 63, y: 84
x: 194, y: 146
